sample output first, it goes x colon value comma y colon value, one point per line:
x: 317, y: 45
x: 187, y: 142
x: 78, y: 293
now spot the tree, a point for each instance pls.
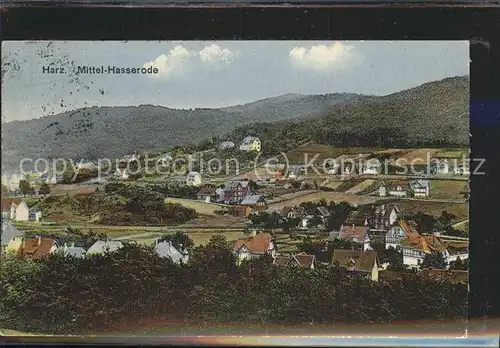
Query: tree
x: 459, y: 264
x: 44, y: 189
x: 425, y: 223
x: 434, y: 260
x: 24, y: 187
x: 4, y: 189
x: 179, y: 240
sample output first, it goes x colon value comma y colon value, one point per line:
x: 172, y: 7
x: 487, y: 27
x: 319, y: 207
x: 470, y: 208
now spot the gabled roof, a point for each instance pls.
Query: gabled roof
x: 166, y: 249
x: 350, y: 232
x: 427, y: 244
x: 304, y: 259
x: 36, y: 248
x: 282, y: 260
x: 323, y: 211
x: 356, y: 260
x: 100, y: 247
x: 9, y: 232
x: 72, y: 251
x: 419, y: 183
x: 260, y: 243
x: 409, y: 227
x: 6, y: 203
x: 248, y: 140
x: 206, y: 191
x: 251, y: 200
x: 299, y: 211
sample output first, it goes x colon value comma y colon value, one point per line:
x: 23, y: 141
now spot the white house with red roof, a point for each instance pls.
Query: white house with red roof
x: 257, y: 245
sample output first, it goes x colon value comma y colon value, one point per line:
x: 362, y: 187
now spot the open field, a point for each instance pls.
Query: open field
x: 361, y: 186
x: 452, y: 153
x: 460, y: 210
x: 447, y: 189
x: 200, y: 206
x: 333, y: 184
x: 199, y: 238
x: 145, y: 234
x: 288, y: 196
x: 74, y: 189
x: 348, y: 184
x: 329, y: 196
x: 298, y: 155
x: 416, y: 156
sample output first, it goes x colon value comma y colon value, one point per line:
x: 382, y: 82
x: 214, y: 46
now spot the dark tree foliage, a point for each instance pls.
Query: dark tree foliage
x: 78, y: 296
x: 459, y: 264
x: 179, y: 240
x: 434, y: 260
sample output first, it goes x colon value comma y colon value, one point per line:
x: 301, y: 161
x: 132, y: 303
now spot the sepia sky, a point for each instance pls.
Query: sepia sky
x: 213, y: 74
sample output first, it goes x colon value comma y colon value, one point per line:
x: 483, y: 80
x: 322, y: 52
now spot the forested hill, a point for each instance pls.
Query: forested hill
x: 433, y: 114
x: 114, y: 131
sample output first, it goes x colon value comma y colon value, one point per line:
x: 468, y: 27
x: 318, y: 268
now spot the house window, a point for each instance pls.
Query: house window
x: 419, y: 262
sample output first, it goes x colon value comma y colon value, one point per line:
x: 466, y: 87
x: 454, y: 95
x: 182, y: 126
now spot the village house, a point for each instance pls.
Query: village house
x: 235, y: 191
x: 371, y: 168
x: 257, y: 245
x: 193, y: 179
x: 420, y: 188
x: 356, y: 234
x: 256, y: 202
x: 207, y: 194
x: 295, y: 212
x: 399, y: 231
x: 166, y: 249
x: 19, y: 212
x: 461, y: 169
x: 12, y: 238
x: 72, y: 251
x: 302, y: 260
x: 398, y: 189
x: 37, y: 248
x: 242, y: 211
x: 7, y: 204
x: 361, y: 262
x: 35, y: 215
x: 377, y: 218
x: 250, y: 143
x: 101, y: 247
x: 415, y: 249
x: 382, y: 190
x: 439, y: 166
x: 226, y: 145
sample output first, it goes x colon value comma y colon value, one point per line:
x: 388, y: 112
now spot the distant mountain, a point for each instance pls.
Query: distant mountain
x: 435, y: 113
x: 111, y: 132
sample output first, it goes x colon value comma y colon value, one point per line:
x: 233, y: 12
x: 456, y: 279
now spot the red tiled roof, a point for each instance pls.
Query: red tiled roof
x: 358, y: 232
x: 424, y: 243
x: 258, y: 244
x: 7, y: 202
x: 35, y: 248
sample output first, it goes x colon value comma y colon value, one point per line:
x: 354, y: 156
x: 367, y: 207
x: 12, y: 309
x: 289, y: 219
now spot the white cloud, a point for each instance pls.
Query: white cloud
x: 216, y: 54
x: 322, y: 57
x: 171, y: 62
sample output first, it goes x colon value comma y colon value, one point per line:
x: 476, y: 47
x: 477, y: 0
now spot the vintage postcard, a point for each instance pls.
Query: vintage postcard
x: 234, y: 187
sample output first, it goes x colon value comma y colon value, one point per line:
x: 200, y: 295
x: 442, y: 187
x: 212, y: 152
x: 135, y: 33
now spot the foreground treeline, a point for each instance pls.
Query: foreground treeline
x: 62, y: 295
